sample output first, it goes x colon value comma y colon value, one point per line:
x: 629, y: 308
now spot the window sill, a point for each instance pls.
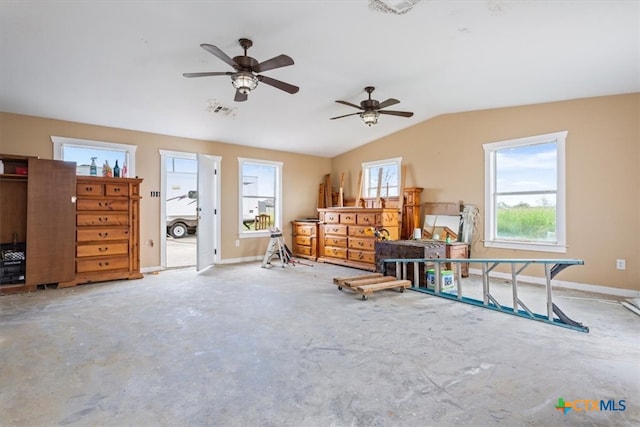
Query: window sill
x: 255, y: 234
x: 537, y: 247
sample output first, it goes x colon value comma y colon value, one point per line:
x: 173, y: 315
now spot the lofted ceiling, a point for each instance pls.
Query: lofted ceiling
x: 120, y: 63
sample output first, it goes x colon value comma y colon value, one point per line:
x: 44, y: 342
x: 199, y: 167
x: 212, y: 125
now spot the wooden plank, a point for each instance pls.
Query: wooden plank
x: 327, y: 191
x: 359, y: 282
x: 341, y: 192
x: 403, y: 171
x: 321, y: 196
x: 357, y: 204
x: 431, y: 208
x: 369, y: 289
x: 378, y: 188
x: 341, y: 280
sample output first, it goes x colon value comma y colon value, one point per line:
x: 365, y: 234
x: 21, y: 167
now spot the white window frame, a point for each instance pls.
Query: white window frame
x: 59, y: 142
x: 242, y: 231
x: 367, y: 167
x: 490, y: 149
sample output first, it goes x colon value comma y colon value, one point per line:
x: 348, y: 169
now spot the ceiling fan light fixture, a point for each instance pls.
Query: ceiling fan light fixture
x: 370, y: 117
x: 244, y: 81
x: 398, y: 7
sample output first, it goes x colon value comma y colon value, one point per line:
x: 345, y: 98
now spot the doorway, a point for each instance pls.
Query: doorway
x: 180, y: 212
x: 189, y: 219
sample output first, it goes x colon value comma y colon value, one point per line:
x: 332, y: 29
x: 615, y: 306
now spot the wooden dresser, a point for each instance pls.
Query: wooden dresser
x: 305, y: 238
x: 346, y: 237
x: 107, y: 229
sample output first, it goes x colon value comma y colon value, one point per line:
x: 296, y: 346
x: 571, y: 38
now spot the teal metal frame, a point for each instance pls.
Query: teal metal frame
x: 551, y: 268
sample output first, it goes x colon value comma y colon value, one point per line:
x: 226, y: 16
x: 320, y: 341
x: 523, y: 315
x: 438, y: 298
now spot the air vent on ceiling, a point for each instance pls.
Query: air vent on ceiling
x: 392, y: 6
x: 219, y: 110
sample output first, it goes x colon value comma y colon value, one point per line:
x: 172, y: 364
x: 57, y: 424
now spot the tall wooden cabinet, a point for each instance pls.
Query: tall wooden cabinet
x: 411, y: 216
x: 107, y: 221
x: 37, y: 222
x: 346, y: 235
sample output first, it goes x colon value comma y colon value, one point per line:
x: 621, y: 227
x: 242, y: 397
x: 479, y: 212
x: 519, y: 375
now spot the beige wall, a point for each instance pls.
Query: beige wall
x: 25, y: 135
x: 445, y: 156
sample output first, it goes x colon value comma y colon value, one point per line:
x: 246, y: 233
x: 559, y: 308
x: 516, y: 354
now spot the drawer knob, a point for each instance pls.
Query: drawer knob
x: 105, y: 234
x: 103, y: 249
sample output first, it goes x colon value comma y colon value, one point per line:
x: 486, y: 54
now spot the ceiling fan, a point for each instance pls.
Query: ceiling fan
x: 245, y: 79
x: 371, y: 109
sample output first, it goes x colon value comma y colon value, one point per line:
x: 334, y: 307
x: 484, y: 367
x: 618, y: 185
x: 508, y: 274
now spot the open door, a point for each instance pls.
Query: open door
x: 208, y: 222
x: 50, y: 223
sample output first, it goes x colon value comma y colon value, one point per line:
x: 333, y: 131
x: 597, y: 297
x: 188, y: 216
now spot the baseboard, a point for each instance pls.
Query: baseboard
x: 224, y: 261
x: 240, y: 260
x: 561, y: 284
x: 151, y: 269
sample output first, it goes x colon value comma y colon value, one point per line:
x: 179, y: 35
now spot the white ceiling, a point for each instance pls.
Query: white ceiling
x: 120, y: 63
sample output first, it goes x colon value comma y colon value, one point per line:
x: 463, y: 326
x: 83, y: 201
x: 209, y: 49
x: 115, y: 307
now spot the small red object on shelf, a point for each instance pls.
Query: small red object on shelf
x: 21, y: 170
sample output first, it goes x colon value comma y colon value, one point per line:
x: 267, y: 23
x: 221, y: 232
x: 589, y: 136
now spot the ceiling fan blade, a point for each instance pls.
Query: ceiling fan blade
x: 346, y: 115
x: 214, y: 73
x: 240, y: 97
x: 279, y: 84
x: 388, y: 103
x: 397, y: 113
x: 277, y: 62
x: 220, y: 54
x: 350, y: 104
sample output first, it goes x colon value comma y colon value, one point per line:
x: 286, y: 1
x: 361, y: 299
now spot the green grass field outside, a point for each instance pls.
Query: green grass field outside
x: 537, y: 223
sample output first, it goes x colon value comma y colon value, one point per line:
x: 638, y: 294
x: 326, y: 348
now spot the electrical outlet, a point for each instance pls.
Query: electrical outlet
x: 621, y: 264
x: 237, y: 242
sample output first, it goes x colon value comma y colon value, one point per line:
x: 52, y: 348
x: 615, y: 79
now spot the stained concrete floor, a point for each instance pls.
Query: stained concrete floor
x: 245, y: 346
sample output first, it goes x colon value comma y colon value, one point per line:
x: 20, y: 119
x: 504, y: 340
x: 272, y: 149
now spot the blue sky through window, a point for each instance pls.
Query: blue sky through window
x: 531, y: 168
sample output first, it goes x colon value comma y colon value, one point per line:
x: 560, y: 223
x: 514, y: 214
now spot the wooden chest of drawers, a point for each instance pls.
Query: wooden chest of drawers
x: 305, y: 239
x: 346, y: 234
x: 107, y: 229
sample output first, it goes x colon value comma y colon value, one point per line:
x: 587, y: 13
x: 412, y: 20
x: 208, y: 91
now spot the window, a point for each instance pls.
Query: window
x: 525, y: 193
x: 260, y: 194
x: 82, y: 151
x: 381, y: 178
x: 182, y: 165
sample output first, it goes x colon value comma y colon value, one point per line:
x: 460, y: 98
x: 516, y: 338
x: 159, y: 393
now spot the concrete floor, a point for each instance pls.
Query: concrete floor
x: 240, y: 345
x: 182, y: 252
